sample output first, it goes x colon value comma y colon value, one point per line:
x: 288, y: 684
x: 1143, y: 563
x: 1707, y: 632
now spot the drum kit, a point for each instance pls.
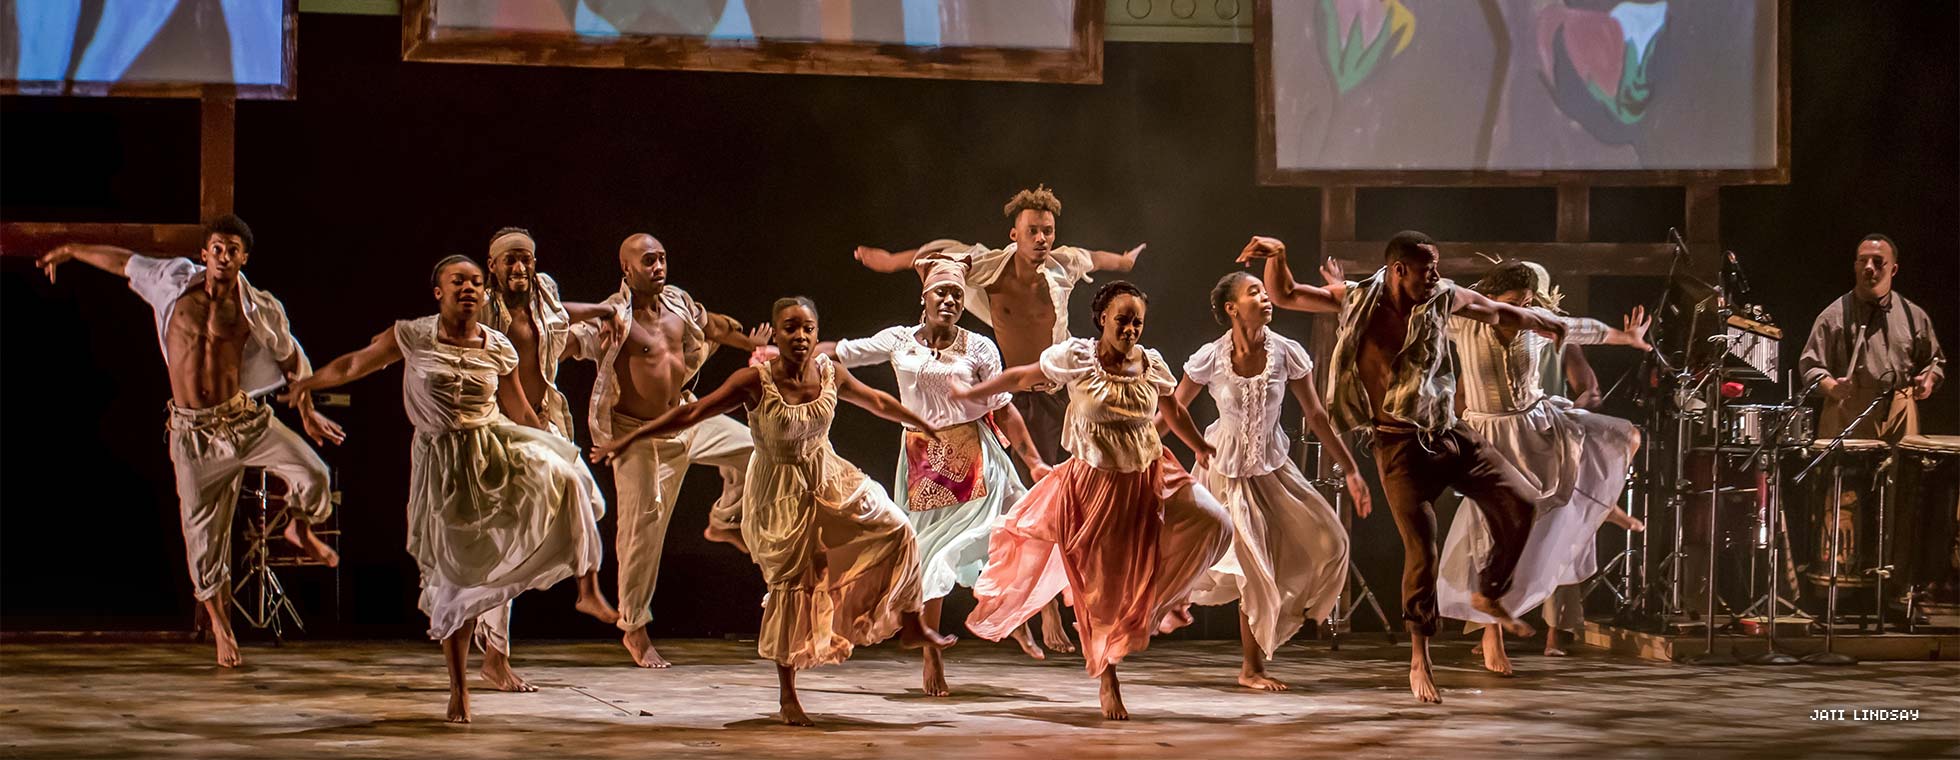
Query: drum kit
x: 1754, y: 488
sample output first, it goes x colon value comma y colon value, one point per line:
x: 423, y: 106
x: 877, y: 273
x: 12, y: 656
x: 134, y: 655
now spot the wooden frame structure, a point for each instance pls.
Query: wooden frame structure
x: 286, y: 90
x: 423, y: 40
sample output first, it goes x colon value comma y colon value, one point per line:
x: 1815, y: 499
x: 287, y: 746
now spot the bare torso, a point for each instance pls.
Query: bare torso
x: 205, y: 340
x: 1024, y: 316
x: 1381, y: 343
x: 651, y: 366
x: 523, y: 336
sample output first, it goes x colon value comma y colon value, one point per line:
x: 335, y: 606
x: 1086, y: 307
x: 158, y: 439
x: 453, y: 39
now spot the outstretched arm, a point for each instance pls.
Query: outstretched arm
x: 317, y: 426
x: 1323, y: 429
x: 379, y: 353
x: 725, y: 330
x: 1011, y: 380
x: 1287, y: 293
x: 107, y: 258
x: 740, y: 388
x: 580, y: 312
x: 1474, y: 305
x: 881, y: 260
x: 1106, y: 261
x: 878, y: 402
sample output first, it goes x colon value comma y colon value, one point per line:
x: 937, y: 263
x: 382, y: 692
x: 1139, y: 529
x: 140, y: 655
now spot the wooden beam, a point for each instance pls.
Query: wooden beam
x: 1336, y: 213
x: 1574, y: 213
x: 1561, y: 259
x: 217, y: 156
x: 36, y: 238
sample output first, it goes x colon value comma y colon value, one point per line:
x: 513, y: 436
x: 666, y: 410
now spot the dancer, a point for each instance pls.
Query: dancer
x: 522, y: 303
x: 650, y: 344
x: 226, y: 345
x: 497, y: 504
x: 1289, y: 558
x: 952, y: 488
x: 1392, y: 377
x: 1573, y: 462
x: 1120, y: 526
x: 841, y: 563
x: 1022, y: 292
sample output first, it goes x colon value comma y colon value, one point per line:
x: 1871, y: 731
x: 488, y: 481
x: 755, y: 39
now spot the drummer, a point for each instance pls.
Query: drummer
x: 1870, y: 341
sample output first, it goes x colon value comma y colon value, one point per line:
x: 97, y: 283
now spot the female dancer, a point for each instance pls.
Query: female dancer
x: 841, y: 562
x: 1290, y: 553
x: 1576, y: 460
x: 952, y: 488
x: 497, y: 504
x: 1120, y: 526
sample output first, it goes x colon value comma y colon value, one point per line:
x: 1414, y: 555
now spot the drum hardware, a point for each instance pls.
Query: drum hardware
x: 1772, y: 501
x: 1829, y: 656
x: 270, y: 606
x: 1341, y: 616
x: 1926, y: 479
x: 1710, y: 656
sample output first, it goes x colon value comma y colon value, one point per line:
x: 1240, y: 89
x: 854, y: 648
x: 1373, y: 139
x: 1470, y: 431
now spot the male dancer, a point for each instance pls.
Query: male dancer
x: 1391, y: 376
x: 650, y: 343
x: 1022, y: 292
x: 226, y: 345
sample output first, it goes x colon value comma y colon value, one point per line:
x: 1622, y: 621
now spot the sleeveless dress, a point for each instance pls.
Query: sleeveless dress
x: 839, y: 558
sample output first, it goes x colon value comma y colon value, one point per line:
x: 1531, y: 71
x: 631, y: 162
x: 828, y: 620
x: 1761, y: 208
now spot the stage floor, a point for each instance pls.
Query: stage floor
x: 385, y: 700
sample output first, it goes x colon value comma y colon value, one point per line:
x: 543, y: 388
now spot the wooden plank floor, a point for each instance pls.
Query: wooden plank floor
x: 385, y: 700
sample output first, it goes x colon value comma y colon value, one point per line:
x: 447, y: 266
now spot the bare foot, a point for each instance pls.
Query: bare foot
x: 913, y: 634
x: 496, y: 670
x: 1511, y: 625
x: 1112, y: 699
x: 793, y: 714
x: 1177, y: 617
x: 641, y: 648
x: 1025, y: 638
x: 597, y: 606
x: 1423, y: 684
x: 1260, y: 681
x: 1552, y: 648
x: 1054, y: 632
x: 935, y: 675
x: 459, y: 706
x: 1477, y: 648
x: 731, y: 536
x: 300, y: 534
x: 1497, y: 661
x: 228, y: 655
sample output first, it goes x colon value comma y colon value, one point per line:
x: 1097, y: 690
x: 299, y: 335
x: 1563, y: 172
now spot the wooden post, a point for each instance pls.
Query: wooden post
x: 217, y: 156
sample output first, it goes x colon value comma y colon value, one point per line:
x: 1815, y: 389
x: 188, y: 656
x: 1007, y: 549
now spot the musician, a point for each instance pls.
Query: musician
x: 1868, y: 341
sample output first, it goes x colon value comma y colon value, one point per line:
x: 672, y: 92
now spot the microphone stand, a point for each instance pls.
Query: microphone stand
x: 1829, y: 656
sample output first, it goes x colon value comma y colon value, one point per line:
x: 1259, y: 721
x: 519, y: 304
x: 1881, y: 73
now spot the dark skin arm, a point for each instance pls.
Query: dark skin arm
x: 510, y: 399
x: 1011, y: 423
x: 878, y: 402
x: 377, y: 354
x: 741, y: 389
x: 1323, y: 429
x: 1287, y: 293
x: 1579, y: 377
x: 107, y: 258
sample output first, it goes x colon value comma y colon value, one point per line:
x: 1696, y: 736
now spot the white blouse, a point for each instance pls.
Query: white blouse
x: 1247, y: 434
x: 926, y: 376
x: 1111, y: 421
x: 447, y: 387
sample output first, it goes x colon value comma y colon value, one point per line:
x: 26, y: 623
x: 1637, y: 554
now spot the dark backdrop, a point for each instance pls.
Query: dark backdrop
x: 760, y: 186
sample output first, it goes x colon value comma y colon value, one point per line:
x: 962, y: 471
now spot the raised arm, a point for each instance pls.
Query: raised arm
x: 740, y: 388
x: 1473, y: 305
x: 379, y: 353
x: 107, y: 258
x: 1286, y: 292
x: 1106, y: 261
x: 881, y: 260
x: 1323, y: 430
x: 877, y: 402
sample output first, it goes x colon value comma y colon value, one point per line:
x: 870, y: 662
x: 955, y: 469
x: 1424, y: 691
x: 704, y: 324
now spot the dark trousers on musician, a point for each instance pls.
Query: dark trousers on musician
x: 1414, y: 473
x: 1044, y: 413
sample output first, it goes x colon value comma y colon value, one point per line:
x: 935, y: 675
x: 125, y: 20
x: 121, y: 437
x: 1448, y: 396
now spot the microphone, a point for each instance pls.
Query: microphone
x: 1679, y: 244
x: 1732, y: 279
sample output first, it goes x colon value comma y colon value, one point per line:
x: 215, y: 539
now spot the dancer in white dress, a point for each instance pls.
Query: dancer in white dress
x: 497, y: 503
x: 840, y: 560
x: 1575, y: 461
x: 952, y: 488
x: 1289, y: 557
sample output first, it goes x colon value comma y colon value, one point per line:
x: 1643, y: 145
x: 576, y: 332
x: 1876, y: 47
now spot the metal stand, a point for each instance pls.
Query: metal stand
x: 1765, y: 463
x: 1710, y: 656
x: 270, y: 604
x: 1340, y: 618
x: 1829, y: 656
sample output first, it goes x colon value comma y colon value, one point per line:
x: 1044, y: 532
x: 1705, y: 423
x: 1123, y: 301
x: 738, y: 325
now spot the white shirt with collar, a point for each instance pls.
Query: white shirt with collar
x: 161, y: 282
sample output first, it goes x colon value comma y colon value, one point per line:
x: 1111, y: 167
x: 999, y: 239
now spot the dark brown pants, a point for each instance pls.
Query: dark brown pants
x: 1044, y: 413
x: 1413, y: 476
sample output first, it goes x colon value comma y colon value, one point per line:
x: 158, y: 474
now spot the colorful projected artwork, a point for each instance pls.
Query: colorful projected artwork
x: 147, y: 47
x: 1480, y: 90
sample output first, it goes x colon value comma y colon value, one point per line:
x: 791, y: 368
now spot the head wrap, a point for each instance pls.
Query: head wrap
x: 510, y: 241
x: 940, y: 262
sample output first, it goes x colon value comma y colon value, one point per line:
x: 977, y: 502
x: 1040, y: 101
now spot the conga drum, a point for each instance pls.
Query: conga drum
x: 1925, y: 550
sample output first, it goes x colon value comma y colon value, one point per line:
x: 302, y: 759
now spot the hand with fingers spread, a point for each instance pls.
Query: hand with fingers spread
x: 1332, y: 273
x: 1635, y: 323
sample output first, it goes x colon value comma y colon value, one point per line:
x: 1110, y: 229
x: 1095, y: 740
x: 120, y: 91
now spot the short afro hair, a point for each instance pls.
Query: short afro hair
x: 1039, y: 199
x: 230, y: 224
